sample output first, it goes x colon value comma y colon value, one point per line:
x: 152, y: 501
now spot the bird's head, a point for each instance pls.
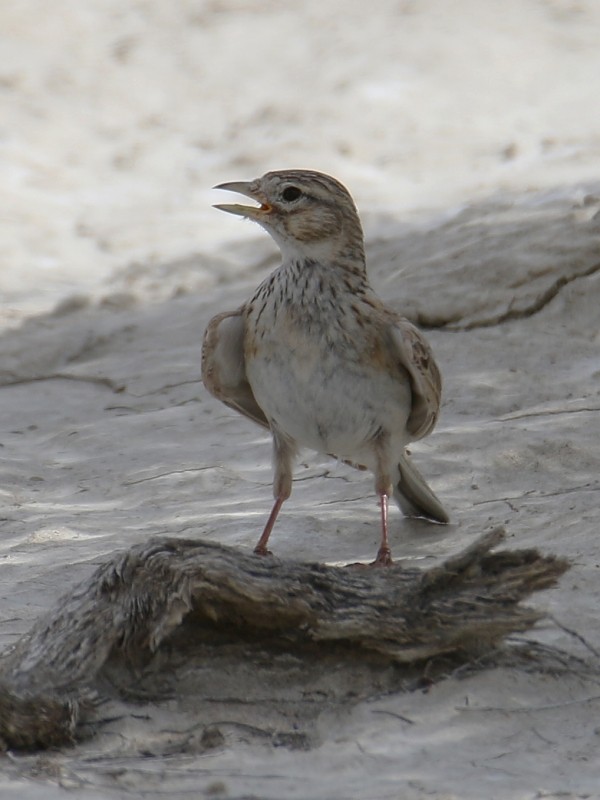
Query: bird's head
x: 309, y: 215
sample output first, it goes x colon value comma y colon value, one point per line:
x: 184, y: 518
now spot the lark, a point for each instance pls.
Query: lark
x: 317, y: 358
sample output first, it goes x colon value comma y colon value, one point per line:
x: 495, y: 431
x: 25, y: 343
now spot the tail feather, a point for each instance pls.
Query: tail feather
x: 414, y: 496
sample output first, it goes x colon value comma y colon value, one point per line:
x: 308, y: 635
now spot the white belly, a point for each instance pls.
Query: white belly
x: 329, y: 403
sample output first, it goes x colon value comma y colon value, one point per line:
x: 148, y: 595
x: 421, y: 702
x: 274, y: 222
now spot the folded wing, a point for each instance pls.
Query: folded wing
x: 416, y: 356
x: 224, y: 365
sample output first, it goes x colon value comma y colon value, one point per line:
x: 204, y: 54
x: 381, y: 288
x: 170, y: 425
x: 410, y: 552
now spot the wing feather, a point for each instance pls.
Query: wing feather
x: 416, y: 356
x: 224, y: 366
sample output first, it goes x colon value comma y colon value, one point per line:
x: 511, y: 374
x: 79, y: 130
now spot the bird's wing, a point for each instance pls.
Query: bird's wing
x: 417, y: 358
x: 224, y: 366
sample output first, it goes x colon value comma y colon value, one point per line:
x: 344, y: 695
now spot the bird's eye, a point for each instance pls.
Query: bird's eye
x: 290, y: 193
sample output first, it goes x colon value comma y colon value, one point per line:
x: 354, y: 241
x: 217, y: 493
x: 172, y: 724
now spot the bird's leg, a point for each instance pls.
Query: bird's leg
x: 283, y: 453
x: 383, y: 485
x: 384, y: 554
x: 261, y: 546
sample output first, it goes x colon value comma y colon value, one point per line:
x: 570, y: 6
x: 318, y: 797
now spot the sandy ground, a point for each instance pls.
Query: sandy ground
x: 469, y: 134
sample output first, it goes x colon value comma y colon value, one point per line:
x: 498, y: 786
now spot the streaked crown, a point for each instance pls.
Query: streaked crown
x: 309, y: 214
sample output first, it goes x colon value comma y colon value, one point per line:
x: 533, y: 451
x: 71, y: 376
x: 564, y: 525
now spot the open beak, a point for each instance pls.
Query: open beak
x: 251, y: 212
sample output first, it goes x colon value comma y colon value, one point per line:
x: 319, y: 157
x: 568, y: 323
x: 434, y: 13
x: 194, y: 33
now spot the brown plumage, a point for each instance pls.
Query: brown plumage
x: 316, y: 357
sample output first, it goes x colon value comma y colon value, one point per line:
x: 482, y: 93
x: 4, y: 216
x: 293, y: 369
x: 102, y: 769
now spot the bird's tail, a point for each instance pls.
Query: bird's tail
x: 414, y: 496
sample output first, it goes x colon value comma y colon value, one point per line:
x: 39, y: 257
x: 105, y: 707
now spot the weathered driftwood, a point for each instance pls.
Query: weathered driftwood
x: 138, y: 598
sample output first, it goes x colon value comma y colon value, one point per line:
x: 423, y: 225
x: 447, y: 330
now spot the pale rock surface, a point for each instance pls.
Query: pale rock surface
x: 117, y: 118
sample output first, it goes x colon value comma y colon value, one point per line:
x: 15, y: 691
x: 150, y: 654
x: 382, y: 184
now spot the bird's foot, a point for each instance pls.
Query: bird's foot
x: 383, y: 558
x: 262, y: 551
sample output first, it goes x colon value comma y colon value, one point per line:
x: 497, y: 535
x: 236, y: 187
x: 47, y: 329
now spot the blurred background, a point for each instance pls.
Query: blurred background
x: 118, y: 116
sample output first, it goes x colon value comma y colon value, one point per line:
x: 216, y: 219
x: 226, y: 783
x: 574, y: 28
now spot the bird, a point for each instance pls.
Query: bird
x: 317, y: 358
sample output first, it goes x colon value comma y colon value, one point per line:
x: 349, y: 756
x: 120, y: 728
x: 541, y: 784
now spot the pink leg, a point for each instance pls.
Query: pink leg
x: 283, y: 452
x: 384, y: 554
x: 383, y: 487
x: 261, y: 546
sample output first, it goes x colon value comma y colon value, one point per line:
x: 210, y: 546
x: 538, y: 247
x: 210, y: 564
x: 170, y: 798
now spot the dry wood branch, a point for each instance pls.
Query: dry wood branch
x: 138, y: 598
